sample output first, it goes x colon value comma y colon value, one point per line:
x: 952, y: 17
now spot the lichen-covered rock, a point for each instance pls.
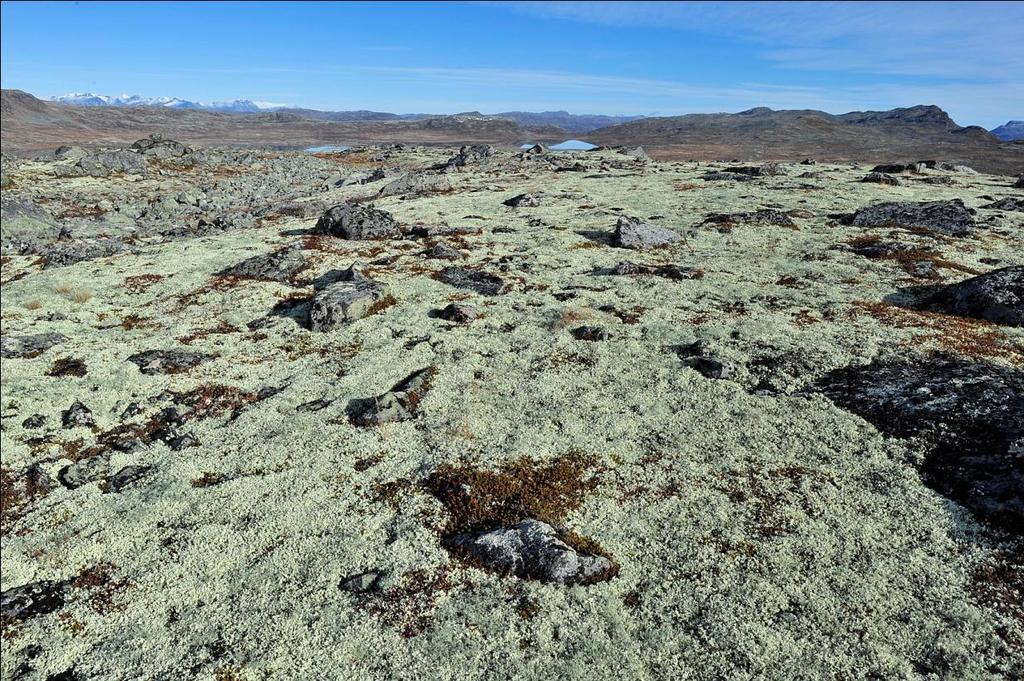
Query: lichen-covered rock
x: 282, y: 266
x: 669, y: 271
x: 882, y: 178
x: 762, y: 217
x: 996, y: 296
x: 77, y: 415
x: 958, y: 168
x: 442, y: 251
x: 24, y: 602
x: 158, y: 147
x: 635, y: 233
x: 84, y: 471
x: 105, y: 163
x: 951, y: 218
x: 416, y: 184
x: 522, y: 201
x: 24, y: 225
x: 125, y: 477
x: 343, y: 302
x: 532, y: 549
x: 29, y: 346
x: 68, y: 252
x: 398, y: 404
x: 763, y: 170
x: 480, y: 282
x: 639, y: 154
x: 469, y: 155
x: 354, y: 221
x: 460, y: 314
x: 153, y: 362
x: 1011, y: 203
x: 968, y: 414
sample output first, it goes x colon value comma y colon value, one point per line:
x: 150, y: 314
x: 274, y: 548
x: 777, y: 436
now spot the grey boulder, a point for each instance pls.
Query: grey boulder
x: 353, y: 221
x: 635, y: 233
x: 996, y: 296
x: 532, y: 549
x: 343, y: 302
x: 951, y: 218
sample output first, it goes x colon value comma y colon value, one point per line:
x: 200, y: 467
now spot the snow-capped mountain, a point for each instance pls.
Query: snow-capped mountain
x: 1010, y: 131
x: 91, y: 99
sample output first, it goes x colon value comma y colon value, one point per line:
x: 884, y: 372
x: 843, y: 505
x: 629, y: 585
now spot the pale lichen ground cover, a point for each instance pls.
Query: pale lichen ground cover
x: 760, y: 534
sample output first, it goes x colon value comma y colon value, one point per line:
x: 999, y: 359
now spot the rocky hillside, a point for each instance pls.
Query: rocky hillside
x: 415, y: 412
x: 900, y: 135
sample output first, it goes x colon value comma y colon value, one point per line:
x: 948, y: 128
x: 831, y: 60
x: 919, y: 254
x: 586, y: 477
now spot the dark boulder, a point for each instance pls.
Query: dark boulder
x: 31, y: 600
x: 281, y: 266
x: 353, y: 221
x: 480, y: 282
x: 996, y: 296
x: 401, y: 403
x: 1011, y: 203
x: 153, y: 362
x: 29, y: 346
x: 950, y: 218
x: 522, y: 201
x: 968, y: 416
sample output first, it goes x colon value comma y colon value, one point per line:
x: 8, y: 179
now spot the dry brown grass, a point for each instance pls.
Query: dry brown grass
x: 969, y: 337
x: 34, y: 304
x: 63, y: 287
x: 82, y: 296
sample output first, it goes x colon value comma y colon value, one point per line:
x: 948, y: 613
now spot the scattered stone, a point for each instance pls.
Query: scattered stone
x: 944, y: 180
x: 158, y: 147
x: 315, y: 405
x: 460, y: 314
x: 591, y: 333
x: 640, y: 155
x: 719, y: 176
x: 415, y: 184
x: 1011, y: 203
x: 434, y: 231
x: 77, y: 415
x: 700, y: 357
x: 24, y: 226
x: 69, y: 153
x: 442, y: 251
x: 27, y: 347
x: 84, y: 471
x: 951, y: 218
x: 480, y: 282
x: 354, y: 221
x: 1019, y: 184
x: 362, y: 582
x: 966, y: 413
x: 185, y: 441
x: 996, y: 296
x: 64, y: 253
x: 103, y: 164
x: 635, y: 233
x: 281, y: 266
x: 957, y: 168
x: 469, y: 155
x: 398, y: 404
x: 343, y: 302
x: 33, y: 422
x: 762, y: 217
x: 31, y: 600
x: 153, y: 362
x: 532, y: 549
x: 882, y: 178
x: 675, y: 272
x: 764, y: 170
x: 898, y: 168
x: 125, y: 477
x: 522, y: 201
x: 537, y: 149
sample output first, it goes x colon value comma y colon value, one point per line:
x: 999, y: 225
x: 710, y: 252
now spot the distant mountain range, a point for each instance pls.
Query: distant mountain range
x: 897, y: 136
x: 577, y: 123
x: 1010, y: 131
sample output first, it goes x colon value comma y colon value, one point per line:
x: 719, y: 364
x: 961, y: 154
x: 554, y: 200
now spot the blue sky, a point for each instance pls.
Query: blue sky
x: 616, y: 58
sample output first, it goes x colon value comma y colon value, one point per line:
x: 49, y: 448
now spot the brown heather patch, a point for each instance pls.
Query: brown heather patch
x: 908, y: 258
x: 68, y: 366
x: 139, y: 283
x: 221, y: 329
x: 134, y: 321
x: 17, y: 493
x: 104, y: 590
x: 685, y: 186
x: 969, y: 337
x: 409, y: 606
x: 214, y: 400
x: 481, y: 500
x: 82, y: 212
x: 998, y: 583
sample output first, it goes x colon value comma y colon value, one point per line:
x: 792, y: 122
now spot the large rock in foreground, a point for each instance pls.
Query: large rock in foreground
x: 635, y: 233
x: 996, y: 296
x: 344, y: 302
x: 967, y: 415
x: 352, y: 221
x: 532, y: 549
x: 951, y: 218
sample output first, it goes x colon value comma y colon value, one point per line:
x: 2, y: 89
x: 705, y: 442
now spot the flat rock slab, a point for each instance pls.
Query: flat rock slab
x: 969, y: 416
x: 674, y: 272
x: 153, y: 362
x: 30, y: 346
x: 398, y: 404
x: 469, y: 155
x: 882, y: 178
x: 481, y: 282
x: 281, y: 266
x: 532, y: 549
x: 344, y: 302
x: 65, y: 253
x: 353, y: 221
x: 417, y: 183
x: 951, y: 218
x: 635, y: 233
x: 522, y: 201
x: 996, y: 296
x: 1011, y: 203
x: 763, y: 170
x: 762, y: 217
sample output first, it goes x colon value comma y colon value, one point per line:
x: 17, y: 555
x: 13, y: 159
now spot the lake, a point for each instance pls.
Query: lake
x: 328, y: 149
